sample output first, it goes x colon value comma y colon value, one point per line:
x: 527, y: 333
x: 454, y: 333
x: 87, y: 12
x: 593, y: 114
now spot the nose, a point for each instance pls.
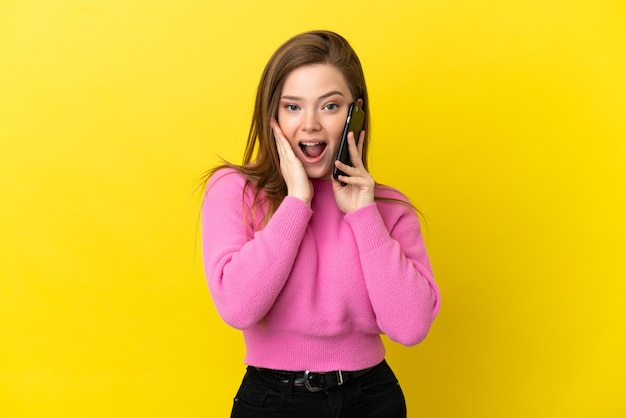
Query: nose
x: 311, y: 121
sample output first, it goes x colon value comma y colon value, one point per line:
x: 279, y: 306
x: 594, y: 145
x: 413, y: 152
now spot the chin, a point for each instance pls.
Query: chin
x: 319, y: 174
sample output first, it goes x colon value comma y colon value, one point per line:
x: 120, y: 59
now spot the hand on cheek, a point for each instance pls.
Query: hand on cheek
x: 296, y: 179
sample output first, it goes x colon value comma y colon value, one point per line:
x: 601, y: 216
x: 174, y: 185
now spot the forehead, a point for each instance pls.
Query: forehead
x: 315, y: 80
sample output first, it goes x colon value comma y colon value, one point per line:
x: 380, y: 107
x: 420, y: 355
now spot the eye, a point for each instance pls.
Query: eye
x: 291, y: 107
x: 331, y: 106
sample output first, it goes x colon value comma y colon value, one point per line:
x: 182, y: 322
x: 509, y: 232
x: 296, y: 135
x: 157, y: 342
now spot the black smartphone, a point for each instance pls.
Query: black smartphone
x: 354, y: 123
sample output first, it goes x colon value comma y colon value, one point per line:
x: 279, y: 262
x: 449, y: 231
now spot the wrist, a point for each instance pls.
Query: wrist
x: 303, y: 198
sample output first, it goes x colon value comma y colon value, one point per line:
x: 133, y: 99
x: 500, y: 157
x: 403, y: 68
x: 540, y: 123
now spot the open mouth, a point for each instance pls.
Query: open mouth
x: 312, y: 149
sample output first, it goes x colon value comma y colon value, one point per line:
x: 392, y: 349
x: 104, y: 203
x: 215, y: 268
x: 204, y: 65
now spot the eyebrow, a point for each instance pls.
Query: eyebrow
x: 323, y: 96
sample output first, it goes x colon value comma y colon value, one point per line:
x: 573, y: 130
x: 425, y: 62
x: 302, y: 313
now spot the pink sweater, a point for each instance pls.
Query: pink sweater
x: 315, y: 288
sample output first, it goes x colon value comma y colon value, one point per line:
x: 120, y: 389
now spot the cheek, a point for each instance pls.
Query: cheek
x: 337, y: 128
x: 289, y: 129
x: 286, y: 125
x: 286, y: 117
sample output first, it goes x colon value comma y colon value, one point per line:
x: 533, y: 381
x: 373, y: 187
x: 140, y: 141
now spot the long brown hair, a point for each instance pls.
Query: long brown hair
x: 261, y: 165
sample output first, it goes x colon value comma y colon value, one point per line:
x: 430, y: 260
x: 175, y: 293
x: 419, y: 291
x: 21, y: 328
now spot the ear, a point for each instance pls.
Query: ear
x: 359, y: 102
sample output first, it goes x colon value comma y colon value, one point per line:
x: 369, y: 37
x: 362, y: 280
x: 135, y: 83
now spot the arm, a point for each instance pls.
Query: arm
x: 246, y: 273
x: 397, y: 272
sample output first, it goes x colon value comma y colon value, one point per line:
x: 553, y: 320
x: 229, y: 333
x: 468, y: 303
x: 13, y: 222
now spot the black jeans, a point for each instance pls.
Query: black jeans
x: 375, y: 394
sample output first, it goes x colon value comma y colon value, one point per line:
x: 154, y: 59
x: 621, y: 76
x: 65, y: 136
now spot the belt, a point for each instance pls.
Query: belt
x: 313, y: 382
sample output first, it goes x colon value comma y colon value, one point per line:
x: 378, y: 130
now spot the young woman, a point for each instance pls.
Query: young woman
x: 311, y: 271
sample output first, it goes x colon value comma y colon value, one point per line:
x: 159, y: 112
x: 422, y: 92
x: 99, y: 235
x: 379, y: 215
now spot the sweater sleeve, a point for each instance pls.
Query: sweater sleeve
x: 397, y: 272
x: 245, y: 274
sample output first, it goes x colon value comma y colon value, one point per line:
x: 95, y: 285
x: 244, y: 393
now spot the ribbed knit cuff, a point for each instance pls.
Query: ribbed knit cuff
x: 368, y: 227
x: 291, y: 218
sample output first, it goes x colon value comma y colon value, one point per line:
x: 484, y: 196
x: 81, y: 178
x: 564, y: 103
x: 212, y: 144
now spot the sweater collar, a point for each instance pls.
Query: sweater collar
x: 322, y: 187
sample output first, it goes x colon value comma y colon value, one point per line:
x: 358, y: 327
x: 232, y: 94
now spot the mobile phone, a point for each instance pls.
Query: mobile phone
x: 354, y: 123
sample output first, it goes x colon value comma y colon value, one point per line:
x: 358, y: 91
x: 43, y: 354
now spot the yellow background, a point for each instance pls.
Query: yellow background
x: 504, y: 121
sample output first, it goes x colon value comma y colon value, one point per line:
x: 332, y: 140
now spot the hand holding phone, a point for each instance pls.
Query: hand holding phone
x: 354, y: 124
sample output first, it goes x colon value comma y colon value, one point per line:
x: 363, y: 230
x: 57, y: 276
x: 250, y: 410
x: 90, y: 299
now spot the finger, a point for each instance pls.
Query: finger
x: 352, y: 172
x: 361, y: 142
x: 355, y: 176
x: 353, y: 180
x: 275, y: 126
x: 278, y: 133
x: 285, y: 152
x: 348, y: 169
x: 279, y: 146
x: 354, y: 151
x: 284, y: 148
x: 279, y: 138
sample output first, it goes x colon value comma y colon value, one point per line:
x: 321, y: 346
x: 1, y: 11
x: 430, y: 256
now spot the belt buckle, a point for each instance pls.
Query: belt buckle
x: 307, y: 383
x: 307, y: 380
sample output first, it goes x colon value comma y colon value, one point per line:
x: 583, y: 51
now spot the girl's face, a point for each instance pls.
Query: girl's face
x: 312, y: 113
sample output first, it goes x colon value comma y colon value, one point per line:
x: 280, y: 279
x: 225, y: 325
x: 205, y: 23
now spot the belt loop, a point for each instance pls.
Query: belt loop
x: 339, y: 378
